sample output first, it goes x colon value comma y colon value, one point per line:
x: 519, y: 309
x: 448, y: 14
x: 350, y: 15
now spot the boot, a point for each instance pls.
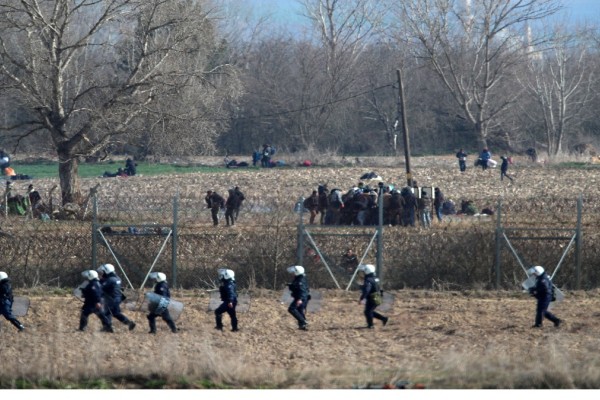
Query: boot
x: 19, y: 325
x: 83, y: 321
x: 152, y: 323
x: 171, y: 325
x: 107, y: 329
x: 131, y: 325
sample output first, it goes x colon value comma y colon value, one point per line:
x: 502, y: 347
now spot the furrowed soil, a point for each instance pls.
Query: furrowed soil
x: 439, y: 339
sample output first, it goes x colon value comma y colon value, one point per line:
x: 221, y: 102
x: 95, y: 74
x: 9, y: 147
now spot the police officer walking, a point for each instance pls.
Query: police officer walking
x: 6, y: 301
x: 92, y: 302
x: 300, y: 296
x: 369, y: 291
x: 161, y: 288
x: 112, y: 295
x: 542, y: 291
x: 228, y: 293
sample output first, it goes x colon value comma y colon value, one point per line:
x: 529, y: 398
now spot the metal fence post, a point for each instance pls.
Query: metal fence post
x: 498, y: 242
x: 174, y: 240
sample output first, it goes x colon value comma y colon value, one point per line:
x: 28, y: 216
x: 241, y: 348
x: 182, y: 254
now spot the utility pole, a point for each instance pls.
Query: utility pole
x: 402, y: 111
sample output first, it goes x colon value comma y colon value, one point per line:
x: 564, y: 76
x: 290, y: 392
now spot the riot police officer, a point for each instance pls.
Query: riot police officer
x: 300, y: 296
x: 228, y: 292
x: 542, y: 291
x: 161, y: 288
x: 92, y: 302
x: 6, y: 301
x: 369, y: 292
x: 112, y: 295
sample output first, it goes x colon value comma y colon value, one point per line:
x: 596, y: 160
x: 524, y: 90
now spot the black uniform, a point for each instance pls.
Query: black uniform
x: 542, y: 291
x: 6, y: 302
x: 113, y: 297
x: 300, y: 295
x: 369, y: 287
x: 228, y: 294
x: 162, y: 289
x: 92, y: 304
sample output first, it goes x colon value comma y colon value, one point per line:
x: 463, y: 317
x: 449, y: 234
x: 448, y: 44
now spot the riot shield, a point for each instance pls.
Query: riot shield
x: 530, y: 283
x: 314, y: 304
x: 243, y: 304
x: 387, y: 302
x: 156, y: 304
x: 559, y: 295
x: 78, y: 293
x: 20, y: 306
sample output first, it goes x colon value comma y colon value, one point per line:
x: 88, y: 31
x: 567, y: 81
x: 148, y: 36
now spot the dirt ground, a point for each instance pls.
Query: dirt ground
x: 440, y: 339
x: 429, y: 334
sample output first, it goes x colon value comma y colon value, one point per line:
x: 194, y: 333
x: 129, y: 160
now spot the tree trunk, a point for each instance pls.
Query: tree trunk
x: 69, y: 179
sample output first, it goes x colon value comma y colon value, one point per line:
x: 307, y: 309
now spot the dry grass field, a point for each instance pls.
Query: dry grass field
x: 439, y: 339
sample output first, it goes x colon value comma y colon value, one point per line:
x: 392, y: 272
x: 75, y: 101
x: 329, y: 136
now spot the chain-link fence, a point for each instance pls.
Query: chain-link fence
x: 456, y: 254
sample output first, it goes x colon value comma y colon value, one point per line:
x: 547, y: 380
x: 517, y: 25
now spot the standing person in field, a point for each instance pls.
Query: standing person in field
x: 462, y: 160
x: 161, y: 288
x: 369, y: 292
x: 112, y: 295
x: 485, y: 157
x: 215, y: 202
x: 323, y: 202
x: 228, y: 292
x: 230, y: 205
x: 92, y: 302
x: 409, y: 205
x: 311, y: 203
x: 543, y: 292
x: 6, y: 301
x: 239, y: 200
x: 438, y: 203
x: 300, y: 296
x: 425, y: 210
x: 504, y: 168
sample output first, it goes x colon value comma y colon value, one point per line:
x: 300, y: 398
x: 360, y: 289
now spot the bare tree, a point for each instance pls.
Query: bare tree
x: 560, y: 80
x: 474, y: 47
x: 343, y: 30
x: 88, y: 74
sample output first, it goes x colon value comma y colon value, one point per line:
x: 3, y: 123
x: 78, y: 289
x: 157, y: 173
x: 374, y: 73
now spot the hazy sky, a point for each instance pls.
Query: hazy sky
x: 286, y: 10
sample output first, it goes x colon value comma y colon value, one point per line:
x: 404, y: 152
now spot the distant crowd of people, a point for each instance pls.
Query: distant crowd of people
x: 360, y: 206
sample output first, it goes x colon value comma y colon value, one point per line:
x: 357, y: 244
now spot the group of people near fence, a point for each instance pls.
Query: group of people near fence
x: 360, y: 206
x: 215, y: 202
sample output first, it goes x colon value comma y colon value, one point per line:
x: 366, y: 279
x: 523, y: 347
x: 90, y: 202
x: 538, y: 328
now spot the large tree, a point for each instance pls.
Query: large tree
x: 475, y: 48
x: 560, y: 81
x: 84, y: 75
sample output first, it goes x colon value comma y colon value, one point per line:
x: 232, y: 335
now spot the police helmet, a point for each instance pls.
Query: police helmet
x: 90, y: 275
x: 296, y: 270
x: 3, y: 275
x: 158, y: 276
x: 367, y: 268
x: 537, y: 270
x: 106, y: 269
x: 225, y: 274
